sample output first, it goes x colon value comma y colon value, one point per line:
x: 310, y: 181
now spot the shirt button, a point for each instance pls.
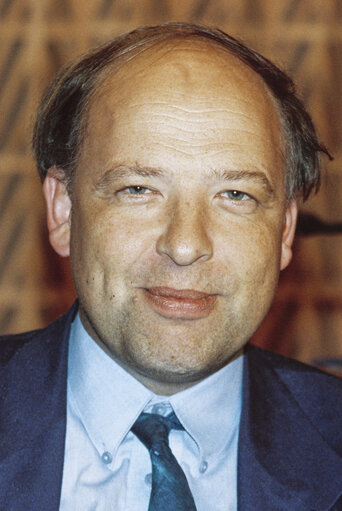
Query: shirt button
x: 203, y: 467
x: 159, y: 408
x: 107, y: 458
x: 148, y: 479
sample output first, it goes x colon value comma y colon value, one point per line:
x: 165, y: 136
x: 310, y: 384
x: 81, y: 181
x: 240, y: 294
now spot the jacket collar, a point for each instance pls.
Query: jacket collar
x: 33, y: 419
x: 285, y: 458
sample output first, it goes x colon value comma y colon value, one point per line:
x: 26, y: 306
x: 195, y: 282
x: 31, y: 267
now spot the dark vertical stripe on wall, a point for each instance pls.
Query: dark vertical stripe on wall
x: 105, y: 7
x: 17, y: 104
x: 7, y: 193
x: 298, y: 55
x: 12, y: 242
x: 199, y: 10
x: 338, y: 9
x: 291, y: 10
x: 253, y: 11
x: 5, y: 6
x: 161, y: 9
x: 64, y: 9
x: 7, y: 316
x: 9, y: 62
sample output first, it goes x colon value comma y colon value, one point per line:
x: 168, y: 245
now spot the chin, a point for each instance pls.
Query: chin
x: 173, y: 372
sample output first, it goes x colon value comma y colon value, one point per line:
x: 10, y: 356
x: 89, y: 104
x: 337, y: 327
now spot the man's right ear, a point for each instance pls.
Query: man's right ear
x: 58, y: 205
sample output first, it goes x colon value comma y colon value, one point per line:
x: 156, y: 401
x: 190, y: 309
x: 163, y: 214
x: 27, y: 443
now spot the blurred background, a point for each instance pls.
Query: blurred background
x: 304, y: 37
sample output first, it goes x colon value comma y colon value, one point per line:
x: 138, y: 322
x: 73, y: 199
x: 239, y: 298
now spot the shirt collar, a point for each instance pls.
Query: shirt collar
x: 108, y: 399
x: 105, y: 396
x: 210, y: 411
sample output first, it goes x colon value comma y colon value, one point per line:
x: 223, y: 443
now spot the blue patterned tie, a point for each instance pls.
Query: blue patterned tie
x: 170, y: 489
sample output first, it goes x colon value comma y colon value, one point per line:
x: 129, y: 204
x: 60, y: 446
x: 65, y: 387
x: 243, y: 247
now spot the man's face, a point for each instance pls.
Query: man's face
x: 179, y: 222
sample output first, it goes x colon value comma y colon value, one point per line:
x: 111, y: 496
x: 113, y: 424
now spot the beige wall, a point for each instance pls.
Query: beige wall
x: 39, y: 36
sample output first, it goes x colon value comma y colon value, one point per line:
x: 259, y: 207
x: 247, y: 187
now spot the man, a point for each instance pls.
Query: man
x: 172, y: 160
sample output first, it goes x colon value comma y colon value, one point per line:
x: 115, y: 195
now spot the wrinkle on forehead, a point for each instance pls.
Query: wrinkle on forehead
x: 172, y: 88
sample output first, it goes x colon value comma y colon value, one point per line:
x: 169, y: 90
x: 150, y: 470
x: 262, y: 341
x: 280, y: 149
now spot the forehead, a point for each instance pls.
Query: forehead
x: 196, y: 83
x: 198, y: 66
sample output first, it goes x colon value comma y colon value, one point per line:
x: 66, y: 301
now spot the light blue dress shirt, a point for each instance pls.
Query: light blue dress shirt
x: 106, y: 468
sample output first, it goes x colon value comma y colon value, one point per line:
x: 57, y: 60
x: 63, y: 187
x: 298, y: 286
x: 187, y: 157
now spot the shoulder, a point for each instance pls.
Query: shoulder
x: 40, y: 342
x: 291, y: 371
x: 292, y: 385
x: 11, y: 344
x: 33, y: 369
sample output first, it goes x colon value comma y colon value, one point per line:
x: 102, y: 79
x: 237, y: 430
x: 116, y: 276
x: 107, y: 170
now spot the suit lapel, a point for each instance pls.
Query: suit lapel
x: 33, y: 418
x: 285, y: 460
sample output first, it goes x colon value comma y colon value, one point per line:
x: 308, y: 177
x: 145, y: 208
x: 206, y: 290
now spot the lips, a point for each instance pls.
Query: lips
x: 179, y: 303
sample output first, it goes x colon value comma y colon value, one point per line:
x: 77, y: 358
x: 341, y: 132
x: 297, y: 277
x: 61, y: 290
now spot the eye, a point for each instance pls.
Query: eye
x: 137, y: 194
x: 136, y: 190
x: 235, y: 195
x: 237, y: 202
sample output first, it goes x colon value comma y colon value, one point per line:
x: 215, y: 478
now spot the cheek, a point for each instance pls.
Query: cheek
x: 253, y: 248
x: 106, y: 248
x: 123, y: 244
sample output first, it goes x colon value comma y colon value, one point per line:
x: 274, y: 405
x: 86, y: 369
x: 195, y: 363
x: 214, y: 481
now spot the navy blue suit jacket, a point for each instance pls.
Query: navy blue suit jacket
x: 290, y: 443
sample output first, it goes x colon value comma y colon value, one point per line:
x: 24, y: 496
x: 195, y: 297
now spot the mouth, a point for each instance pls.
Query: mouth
x: 179, y: 303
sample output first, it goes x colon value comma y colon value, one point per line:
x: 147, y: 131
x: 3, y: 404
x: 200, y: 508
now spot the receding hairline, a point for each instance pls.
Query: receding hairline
x: 171, y: 40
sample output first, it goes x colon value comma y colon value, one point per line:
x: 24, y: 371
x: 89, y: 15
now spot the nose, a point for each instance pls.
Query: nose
x: 185, y: 238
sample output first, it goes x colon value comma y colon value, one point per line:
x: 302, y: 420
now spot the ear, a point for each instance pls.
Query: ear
x: 288, y: 233
x: 58, y: 205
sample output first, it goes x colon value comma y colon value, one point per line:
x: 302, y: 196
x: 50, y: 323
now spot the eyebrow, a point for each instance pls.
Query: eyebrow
x: 239, y: 175
x: 117, y: 172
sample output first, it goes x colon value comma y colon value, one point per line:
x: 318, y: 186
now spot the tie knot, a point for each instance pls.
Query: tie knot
x: 151, y: 428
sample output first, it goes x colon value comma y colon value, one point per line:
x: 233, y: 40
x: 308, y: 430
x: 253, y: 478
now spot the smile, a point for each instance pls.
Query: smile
x: 179, y: 303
